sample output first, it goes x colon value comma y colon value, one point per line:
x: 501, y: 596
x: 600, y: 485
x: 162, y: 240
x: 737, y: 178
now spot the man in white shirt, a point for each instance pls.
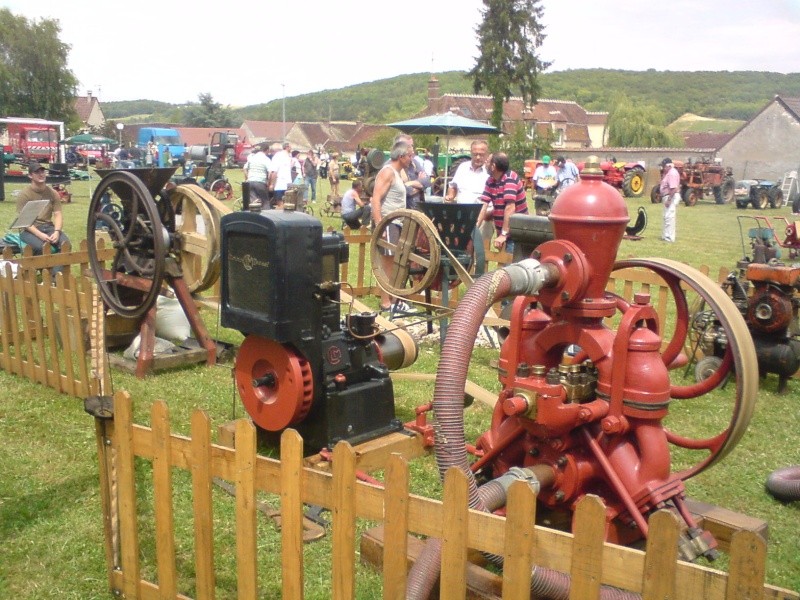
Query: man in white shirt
x: 470, y: 178
x: 280, y: 172
x: 469, y: 182
x: 256, y: 172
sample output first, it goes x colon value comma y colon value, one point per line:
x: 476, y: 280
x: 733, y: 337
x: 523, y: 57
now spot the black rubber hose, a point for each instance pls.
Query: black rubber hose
x: 784, y: 484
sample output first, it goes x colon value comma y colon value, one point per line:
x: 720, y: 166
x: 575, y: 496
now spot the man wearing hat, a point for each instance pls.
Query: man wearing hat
x: 544, y: 177
x: 670, y: 189
x: 46, y: 229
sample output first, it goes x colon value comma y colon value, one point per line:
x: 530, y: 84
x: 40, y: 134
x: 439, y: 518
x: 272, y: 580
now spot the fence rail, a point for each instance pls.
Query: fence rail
x: 44, y: 318
x: 654, y: 573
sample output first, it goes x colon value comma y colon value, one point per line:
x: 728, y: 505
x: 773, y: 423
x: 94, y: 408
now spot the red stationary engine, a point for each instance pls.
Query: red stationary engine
x: 584, y: 408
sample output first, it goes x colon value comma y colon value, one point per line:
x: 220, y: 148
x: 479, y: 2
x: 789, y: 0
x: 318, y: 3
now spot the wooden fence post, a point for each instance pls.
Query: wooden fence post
x: 203, y: 506
x: 292, y: 515
x: 344, y: 522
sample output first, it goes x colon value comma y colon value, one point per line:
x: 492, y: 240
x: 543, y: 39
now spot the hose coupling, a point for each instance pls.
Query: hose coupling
x: 519, y: 474
x: 528, y: 277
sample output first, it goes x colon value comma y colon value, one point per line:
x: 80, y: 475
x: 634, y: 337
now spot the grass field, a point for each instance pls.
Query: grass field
x: 50, y: 519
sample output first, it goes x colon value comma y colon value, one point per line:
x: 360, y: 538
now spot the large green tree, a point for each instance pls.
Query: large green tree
x: 34, y: 78
x: 508, y: 39
x: 637, y: 125
x: 209, y: 114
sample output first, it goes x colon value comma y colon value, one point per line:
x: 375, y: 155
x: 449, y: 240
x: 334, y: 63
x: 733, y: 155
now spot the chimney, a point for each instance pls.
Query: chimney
x: 433, y: 90
x: 89, y: 95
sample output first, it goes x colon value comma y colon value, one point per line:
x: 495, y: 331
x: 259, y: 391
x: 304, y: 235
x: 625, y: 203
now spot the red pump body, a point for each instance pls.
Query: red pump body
x: 594, y: 418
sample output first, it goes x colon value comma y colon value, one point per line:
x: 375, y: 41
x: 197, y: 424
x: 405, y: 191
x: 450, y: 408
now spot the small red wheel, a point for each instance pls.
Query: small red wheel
x: 274, y: 382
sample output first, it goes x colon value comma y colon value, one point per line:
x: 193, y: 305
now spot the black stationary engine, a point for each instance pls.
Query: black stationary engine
x: 300, y: 366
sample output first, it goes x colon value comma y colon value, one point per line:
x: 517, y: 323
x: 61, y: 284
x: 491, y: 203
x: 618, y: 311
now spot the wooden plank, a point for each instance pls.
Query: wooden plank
x: 54, y: 372
x: 126, y: 474
x: 587, y: 548
x: 162, y: 500
x: 471, y: 388
x: 747, y: 566
x: 28, y: 296
x: 724, y: 523
x: 519, y: 531
x: 39, y: 358
x: 203, y: 506
x: 105, y: 467
x: 374, y: 454
x: 344, y: 522
x: 246, y: 526
x: 292, y: 515
x: 77, y: 341
x: 395, y: 516
x: 6, y: 303
x: 660, y: 564
x: 455, y: 535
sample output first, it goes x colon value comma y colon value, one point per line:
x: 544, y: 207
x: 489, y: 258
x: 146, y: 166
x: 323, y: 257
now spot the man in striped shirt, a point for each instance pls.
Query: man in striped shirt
x: 505, y: 191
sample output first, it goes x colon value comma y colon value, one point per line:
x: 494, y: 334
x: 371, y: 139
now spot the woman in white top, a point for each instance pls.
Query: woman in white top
x: 389, y: 195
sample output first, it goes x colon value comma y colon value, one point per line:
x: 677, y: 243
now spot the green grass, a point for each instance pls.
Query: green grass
x: 50, y: 520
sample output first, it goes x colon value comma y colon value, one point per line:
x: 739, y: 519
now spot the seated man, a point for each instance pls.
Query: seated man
x: 46, y: 229
x: 355, y: 211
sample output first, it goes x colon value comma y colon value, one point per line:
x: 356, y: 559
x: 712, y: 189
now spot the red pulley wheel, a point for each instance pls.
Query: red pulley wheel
x: 274, y: 382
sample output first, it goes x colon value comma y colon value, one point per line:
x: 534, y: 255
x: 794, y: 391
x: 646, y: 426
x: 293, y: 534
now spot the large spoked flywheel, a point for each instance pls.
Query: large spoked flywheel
x: 409, y: 237
x: 125, y: 216
x: 703, y: 427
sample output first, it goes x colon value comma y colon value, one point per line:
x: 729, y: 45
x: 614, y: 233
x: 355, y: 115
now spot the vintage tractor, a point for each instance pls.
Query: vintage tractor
x: 626, y: 176
x: 699, y: 178
x: 759, y: 193
x: 585, y: 409
x: 765, y: 292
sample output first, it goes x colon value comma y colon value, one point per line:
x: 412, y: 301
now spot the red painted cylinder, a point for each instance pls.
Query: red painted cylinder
x: 593, y: 215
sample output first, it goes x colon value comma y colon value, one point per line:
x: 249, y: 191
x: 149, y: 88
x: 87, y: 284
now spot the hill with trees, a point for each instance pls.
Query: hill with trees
x: 720, y: 95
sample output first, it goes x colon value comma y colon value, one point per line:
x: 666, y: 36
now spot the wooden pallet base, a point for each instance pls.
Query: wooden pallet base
x: 188, y: 352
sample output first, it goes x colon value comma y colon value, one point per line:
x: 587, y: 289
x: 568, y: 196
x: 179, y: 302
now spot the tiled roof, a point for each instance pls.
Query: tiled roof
x: 705, y: 139
x: 84, y: 106
x: 202, y: 135
x: 272, y: 130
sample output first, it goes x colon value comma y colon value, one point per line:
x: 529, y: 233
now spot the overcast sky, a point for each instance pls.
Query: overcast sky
x: 252, y: 52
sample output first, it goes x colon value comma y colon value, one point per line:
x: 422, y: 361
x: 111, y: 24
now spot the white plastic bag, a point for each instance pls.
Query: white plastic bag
x: 171, y: 321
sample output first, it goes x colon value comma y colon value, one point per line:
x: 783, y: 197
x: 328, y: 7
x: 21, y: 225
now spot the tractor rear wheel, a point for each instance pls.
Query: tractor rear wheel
x: 691, y: 196
x: 760, y: 199
x: 741, y: 203
x: 655, y: 194
x: 633, y: 183
x: 776, y: 197
x: 726, y: 190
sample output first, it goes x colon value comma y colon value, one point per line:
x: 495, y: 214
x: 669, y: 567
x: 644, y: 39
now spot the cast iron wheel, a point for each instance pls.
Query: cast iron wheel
x: 222, y: 190
x: 706, y: 367
x: 131, y: 283
x: 775, y: 197
x: 655, y: 194
x: 633, y: 183
x: 691, y: 196
x: 760, y: 199
x: 415, y: 257
x: 726, y: 190
x: 688, y: 408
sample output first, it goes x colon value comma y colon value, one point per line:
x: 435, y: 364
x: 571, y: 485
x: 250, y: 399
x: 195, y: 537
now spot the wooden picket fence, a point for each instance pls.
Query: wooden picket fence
x: 654, y: 573
x: 44, y: 319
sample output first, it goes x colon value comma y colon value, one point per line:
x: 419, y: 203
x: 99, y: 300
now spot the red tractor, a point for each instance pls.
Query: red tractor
x: 699, y: 178
x: 626, y: 176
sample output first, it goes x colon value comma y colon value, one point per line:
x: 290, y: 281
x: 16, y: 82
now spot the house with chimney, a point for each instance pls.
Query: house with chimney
x: 344, y: 137
x: 567, y: 124
x: 89, y: 112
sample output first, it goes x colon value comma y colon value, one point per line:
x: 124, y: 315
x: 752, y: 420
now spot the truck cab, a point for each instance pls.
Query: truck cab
x: 162, y: 136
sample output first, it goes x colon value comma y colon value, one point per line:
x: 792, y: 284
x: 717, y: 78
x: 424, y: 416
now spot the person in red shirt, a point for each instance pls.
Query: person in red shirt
x: 506, y: 192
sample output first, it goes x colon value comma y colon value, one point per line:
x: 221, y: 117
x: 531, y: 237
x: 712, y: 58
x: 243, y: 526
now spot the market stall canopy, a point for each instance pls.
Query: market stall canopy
x: 447, y: 124
x: 89, y: 138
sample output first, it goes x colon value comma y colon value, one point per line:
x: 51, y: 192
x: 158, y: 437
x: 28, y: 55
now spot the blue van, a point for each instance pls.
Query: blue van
x: 162, y: 136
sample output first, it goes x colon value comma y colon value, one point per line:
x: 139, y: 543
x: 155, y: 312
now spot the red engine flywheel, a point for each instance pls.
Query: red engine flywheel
x: 274, y: 382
